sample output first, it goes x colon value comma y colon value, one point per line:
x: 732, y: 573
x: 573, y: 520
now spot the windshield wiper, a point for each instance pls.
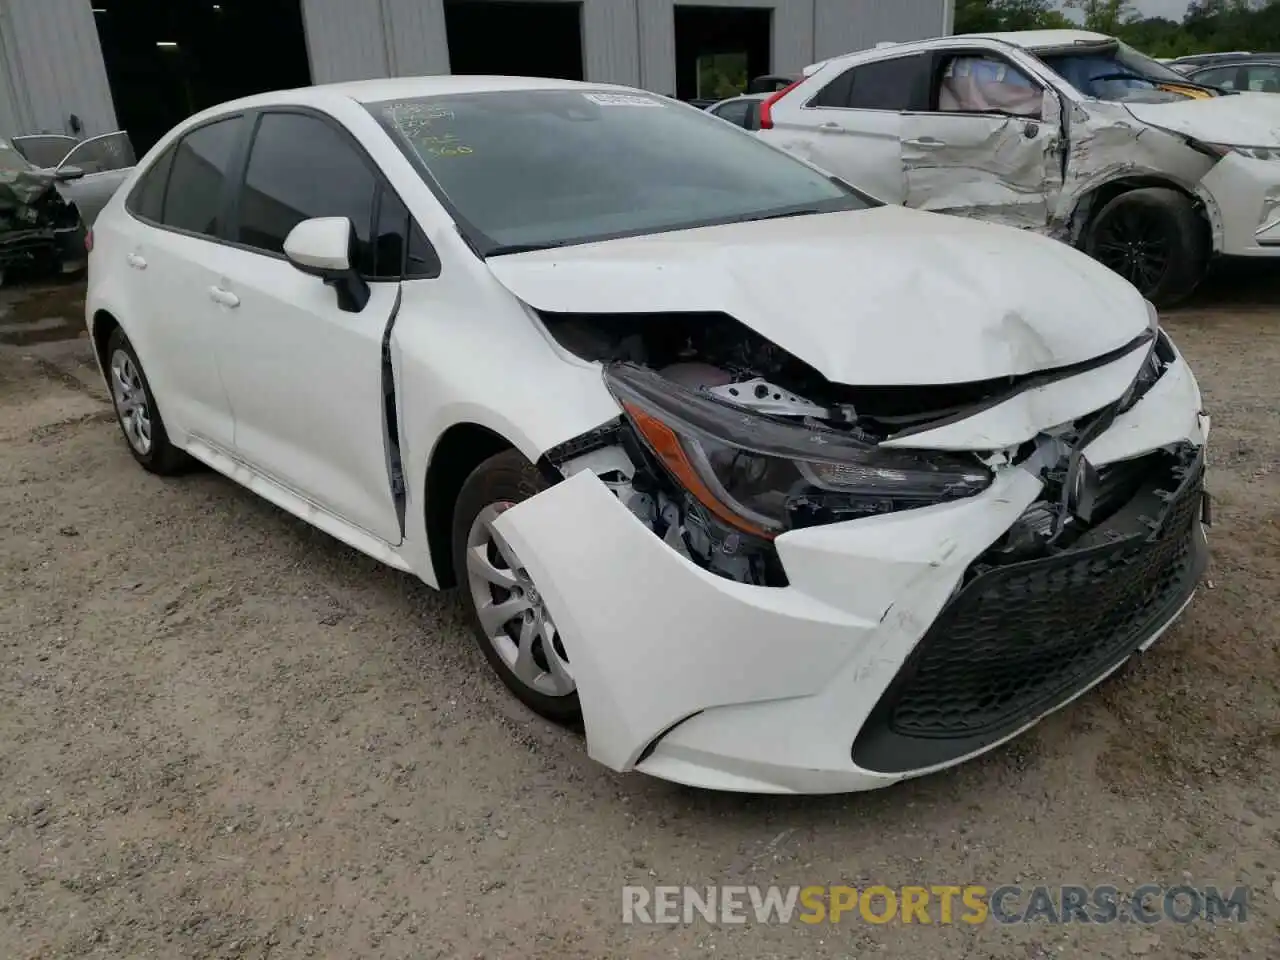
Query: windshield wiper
x: 503, y: 249
x: 1122, y: 75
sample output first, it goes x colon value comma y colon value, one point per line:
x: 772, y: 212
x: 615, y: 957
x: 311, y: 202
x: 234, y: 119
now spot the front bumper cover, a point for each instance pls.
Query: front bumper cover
x: 714, y: 683
x: 1243, y: 197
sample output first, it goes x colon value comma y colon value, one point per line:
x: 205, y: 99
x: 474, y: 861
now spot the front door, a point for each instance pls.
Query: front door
x: 165, y: 246
x: 106, y: 162
x: 990, y: 146
x: 305, y: 376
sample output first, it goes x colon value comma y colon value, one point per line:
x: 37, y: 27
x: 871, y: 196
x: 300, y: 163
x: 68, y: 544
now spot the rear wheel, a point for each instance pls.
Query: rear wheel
x: 136, y: 410
x: 1155, y: 239
x: 511, y: 621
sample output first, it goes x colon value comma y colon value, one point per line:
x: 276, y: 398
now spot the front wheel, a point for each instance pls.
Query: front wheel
x: 511, y: 621
x: 1155, y: 239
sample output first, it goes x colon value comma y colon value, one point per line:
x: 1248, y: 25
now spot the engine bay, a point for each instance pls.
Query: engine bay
x: 713, y: 355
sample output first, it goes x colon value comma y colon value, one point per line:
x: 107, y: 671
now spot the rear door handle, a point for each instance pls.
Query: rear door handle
x: 137, y: 262
x: 828, y: 125
x: 925, y: 143
x: 224, y: 297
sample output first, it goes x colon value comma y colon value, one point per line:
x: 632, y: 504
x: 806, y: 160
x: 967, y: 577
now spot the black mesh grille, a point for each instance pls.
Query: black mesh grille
x: 1018, y: 639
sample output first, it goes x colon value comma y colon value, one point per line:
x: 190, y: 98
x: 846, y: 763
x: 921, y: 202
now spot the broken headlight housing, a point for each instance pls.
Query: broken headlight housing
x: 764, y: 475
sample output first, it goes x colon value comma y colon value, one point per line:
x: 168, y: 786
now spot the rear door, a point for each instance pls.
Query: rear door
x: 176, y: 225
x: 852, y: 126
x: 989, y: 144
x: 305, y: 377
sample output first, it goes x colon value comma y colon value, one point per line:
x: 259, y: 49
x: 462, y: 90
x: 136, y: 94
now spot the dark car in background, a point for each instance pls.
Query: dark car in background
x: 1198, y: 61
x: 1259, y: 73
x: 40, y: 231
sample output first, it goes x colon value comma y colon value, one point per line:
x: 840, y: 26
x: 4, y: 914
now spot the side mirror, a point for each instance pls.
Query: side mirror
x: 322, y: 248
x: 69, y: 173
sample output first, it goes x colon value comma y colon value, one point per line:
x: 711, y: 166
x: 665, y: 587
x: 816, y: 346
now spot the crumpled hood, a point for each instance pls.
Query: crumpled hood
x: 20, y: 183
x: 873, y: 298
x: 1239, y: 120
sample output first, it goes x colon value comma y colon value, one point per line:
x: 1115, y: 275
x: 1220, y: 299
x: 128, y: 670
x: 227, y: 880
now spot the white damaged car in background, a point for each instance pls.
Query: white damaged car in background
x: 1066, y: 132
x: 776, y: 487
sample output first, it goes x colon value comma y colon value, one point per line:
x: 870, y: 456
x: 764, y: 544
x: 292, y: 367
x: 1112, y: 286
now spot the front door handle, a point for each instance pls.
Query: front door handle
x: 925, y: 143
x: 224, y: 297
x: 137, y: 262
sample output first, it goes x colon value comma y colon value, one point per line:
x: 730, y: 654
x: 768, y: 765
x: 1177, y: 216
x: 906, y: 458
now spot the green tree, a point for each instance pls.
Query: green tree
x: 993, y: 16
x: 1105, y: 16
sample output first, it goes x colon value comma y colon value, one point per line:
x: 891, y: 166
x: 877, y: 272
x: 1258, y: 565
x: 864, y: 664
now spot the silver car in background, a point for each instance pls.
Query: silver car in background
x: 88, y: 171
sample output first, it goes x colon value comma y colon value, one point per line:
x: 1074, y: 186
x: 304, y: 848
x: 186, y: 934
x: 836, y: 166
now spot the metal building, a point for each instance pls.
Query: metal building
x: 97, y: 60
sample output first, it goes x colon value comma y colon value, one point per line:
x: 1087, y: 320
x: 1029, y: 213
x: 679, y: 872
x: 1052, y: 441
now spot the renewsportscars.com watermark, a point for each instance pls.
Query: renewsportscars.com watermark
x: 939, y: 904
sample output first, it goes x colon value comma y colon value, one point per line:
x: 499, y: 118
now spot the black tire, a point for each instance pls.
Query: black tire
x: 506, y: 477
x: 162, y: 457
x: 1154, y: 238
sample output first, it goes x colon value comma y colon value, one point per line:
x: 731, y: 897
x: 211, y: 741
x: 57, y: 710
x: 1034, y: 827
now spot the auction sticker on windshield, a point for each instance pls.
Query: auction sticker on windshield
x: 621, y: 100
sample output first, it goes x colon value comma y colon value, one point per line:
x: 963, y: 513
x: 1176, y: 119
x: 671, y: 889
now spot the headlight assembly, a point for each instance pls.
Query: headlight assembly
x: 764, y: 475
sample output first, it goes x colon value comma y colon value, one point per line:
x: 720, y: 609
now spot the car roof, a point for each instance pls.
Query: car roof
x: 1027, y: 39
x: 1238, y: 61
x: 405, y: 88
x: 1197, y: 57
x: 1048, y: 39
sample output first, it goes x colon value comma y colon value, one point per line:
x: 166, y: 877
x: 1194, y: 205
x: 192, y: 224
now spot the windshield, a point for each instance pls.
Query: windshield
x: 11, y: 161
x: 528, y: 169
x: 1117, y: 72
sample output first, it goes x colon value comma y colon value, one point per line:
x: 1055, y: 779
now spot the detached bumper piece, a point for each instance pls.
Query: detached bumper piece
x: 1020, y: 639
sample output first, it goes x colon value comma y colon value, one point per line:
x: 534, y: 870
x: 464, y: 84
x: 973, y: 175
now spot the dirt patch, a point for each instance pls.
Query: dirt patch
x: 225, y: 735
x: 42, y: 314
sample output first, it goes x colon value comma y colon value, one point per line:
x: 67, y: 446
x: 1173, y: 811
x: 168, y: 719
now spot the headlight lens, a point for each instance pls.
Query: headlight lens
x: 764, y: 475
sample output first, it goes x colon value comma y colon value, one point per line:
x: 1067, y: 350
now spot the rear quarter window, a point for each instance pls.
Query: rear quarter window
x: 146, y: 200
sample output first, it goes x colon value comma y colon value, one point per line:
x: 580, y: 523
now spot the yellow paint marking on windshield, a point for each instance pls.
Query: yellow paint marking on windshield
x: 1195, y: 93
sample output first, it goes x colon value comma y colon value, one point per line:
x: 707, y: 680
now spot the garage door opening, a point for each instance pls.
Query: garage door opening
x: 515, y: 38
x: 719, y: 49
x: 168, y: 59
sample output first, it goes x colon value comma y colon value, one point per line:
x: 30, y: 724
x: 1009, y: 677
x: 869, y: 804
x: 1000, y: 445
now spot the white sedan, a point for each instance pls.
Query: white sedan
x: 777, y: 488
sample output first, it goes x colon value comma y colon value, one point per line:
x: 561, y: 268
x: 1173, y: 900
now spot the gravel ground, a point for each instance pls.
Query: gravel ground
x: 226, y: 735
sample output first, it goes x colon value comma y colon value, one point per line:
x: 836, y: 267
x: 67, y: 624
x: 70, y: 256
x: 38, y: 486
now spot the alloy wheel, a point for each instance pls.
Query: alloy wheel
x: 1134, y: 245
x: 131, y: 402
x: 512, y: 613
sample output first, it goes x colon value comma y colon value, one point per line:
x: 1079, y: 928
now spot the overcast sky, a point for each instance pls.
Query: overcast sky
x: 1173, y: 9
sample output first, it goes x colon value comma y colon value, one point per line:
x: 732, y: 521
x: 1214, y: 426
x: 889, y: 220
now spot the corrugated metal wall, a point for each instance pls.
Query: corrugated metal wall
x: 625, y: 41
x: 792, y: 44
x: 51, y: 67
x: 51, y: 62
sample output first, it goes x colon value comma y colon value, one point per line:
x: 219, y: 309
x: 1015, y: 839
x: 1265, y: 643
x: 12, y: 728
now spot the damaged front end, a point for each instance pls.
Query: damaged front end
x: 726, y: 442
x: 936, y: 594
x: 38, y: 228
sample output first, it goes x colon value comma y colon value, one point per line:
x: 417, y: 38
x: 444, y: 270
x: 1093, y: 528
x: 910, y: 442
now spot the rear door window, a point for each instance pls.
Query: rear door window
x: 198, y: 178
x: 900, y: 84
x: 1264, y: 78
